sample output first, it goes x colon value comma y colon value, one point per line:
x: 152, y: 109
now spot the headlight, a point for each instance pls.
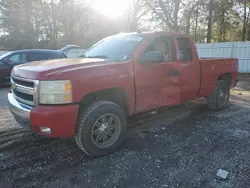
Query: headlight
x: 55, y: 92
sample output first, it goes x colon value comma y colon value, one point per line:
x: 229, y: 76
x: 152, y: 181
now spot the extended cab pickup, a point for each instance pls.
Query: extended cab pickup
x: 90, y: 98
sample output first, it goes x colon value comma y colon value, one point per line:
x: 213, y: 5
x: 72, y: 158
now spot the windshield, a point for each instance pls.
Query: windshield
x: 117, y: 48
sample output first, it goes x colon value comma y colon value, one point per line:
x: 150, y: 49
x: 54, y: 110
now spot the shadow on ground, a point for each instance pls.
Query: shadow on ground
x: 182, y: 146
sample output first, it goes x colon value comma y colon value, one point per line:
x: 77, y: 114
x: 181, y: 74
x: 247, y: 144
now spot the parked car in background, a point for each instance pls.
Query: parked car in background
x: 11, y: 59
x: 83, y: 53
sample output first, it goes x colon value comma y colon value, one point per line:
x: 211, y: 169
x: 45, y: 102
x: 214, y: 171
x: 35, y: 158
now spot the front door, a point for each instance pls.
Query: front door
x: 154, y: 87
x: 4, y: 72
x: 9, y: 62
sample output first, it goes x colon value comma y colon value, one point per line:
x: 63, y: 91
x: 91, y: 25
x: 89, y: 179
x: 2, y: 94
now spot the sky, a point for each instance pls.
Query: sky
x: 111, y: 8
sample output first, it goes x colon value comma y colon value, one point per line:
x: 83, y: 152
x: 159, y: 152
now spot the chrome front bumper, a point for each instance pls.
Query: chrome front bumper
x: 20, y: 112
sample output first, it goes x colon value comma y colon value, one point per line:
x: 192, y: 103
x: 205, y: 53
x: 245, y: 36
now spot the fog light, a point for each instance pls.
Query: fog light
x: 45, y: 130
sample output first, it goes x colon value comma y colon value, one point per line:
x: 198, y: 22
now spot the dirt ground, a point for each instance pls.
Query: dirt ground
x: 182, y: 146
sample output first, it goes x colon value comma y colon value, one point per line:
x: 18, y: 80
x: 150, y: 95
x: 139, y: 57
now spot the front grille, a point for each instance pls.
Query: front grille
x: 24, y: 90
x: 23, y: 83
x: 23, y: 96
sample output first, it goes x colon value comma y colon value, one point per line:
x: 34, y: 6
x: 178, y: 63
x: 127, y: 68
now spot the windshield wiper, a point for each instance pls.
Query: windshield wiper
x: 99, y: 56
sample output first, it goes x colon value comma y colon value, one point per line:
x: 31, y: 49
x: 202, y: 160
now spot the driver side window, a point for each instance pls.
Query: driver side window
x: 161, y: 44
x: 14, y: 58
x: 17, y: 58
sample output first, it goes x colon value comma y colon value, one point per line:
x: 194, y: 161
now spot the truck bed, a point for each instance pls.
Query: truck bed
x: 212, y: 69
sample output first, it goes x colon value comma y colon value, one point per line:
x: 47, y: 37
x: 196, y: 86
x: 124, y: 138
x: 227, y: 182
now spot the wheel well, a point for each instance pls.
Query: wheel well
x: 226, y: 76
x: 116, y: 95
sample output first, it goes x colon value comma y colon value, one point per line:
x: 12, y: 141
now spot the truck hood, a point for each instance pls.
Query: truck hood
x: 42, y: 70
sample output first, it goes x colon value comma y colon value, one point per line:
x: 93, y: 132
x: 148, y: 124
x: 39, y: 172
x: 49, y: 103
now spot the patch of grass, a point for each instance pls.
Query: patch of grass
x: 240, y: 92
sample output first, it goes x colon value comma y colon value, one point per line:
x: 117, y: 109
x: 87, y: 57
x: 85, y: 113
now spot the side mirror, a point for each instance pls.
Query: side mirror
x: 152, y: 57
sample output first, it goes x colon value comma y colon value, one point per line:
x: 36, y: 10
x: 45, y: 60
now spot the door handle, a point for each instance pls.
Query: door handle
x: 172, y: 72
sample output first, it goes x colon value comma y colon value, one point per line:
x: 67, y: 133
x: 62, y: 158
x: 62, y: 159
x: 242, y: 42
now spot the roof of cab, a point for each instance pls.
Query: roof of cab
x: 165, y: 32
x: 154, y: 32
x: 38, y: 50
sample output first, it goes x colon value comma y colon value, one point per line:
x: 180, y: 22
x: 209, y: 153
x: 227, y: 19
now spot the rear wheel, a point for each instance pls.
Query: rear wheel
x: 101, y: 128
x: 218, y: 100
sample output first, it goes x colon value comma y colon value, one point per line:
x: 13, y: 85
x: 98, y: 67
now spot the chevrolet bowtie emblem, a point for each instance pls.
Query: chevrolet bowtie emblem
x: 14, y: 86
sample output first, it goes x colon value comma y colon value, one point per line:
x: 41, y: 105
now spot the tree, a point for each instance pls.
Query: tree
x: 223, y: 16
x: 134, y: 15
x: 54, y: 23
x: 244, y: 21
x: 210, y: 18
x: 246, y: 14
x: 167, y: 11
x: 226, y: 21
x: 176, y: 15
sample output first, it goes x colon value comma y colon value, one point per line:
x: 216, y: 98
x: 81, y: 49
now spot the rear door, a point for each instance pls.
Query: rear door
x: 37, y: 56
x: 188, y: 68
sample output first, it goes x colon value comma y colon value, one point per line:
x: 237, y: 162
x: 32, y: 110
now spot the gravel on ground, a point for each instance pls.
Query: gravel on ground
x: 181, y: 146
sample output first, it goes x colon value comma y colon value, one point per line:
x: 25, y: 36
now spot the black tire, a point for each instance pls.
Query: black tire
x: 86, y: 122
x: 216, y: 100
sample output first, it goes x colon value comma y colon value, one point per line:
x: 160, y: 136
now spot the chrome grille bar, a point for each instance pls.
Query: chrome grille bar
x: 25, y: 90
x: 23, y: 100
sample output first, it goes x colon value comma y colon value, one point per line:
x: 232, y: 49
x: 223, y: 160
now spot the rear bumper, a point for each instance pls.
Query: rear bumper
x: 61, y: 120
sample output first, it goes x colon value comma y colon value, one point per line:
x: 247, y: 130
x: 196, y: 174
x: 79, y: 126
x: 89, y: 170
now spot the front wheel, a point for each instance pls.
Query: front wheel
x: 218, y: 100
x: 101, y: 128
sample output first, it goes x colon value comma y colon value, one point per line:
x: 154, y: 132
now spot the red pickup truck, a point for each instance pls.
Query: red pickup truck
x: 90, y: 98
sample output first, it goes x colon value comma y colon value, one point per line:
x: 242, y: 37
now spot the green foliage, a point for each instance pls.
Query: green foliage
x: 55, y: 23
x: 51, y: 24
